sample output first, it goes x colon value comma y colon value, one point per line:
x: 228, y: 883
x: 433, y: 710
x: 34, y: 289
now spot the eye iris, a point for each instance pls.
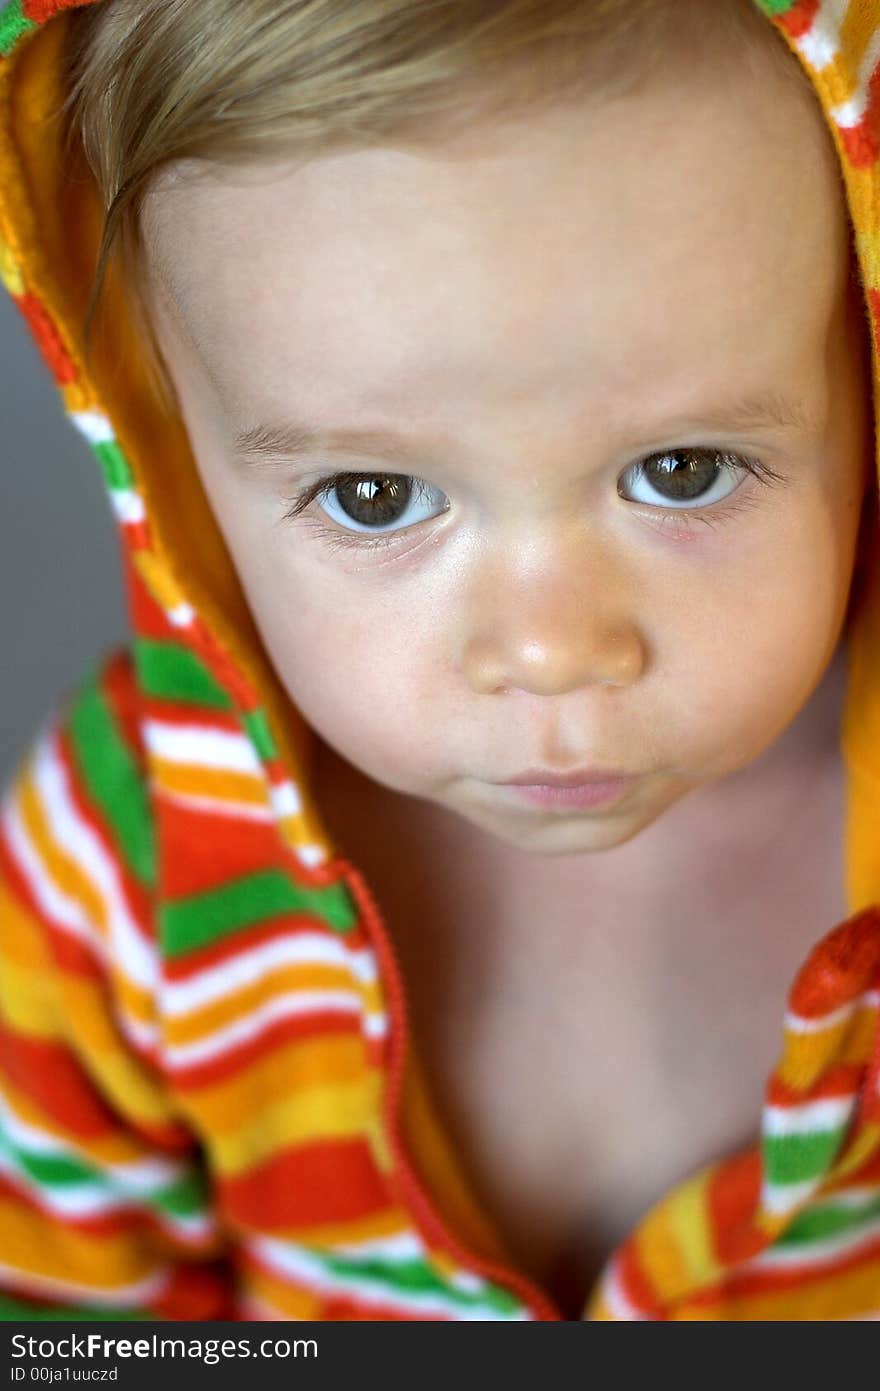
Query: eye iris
x: 683, y: 475
x: 374, y: 499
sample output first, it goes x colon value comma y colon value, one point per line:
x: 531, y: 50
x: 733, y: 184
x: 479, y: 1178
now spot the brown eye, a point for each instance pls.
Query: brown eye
x: 374, y: 499
x: 683, y: 475
x: 686, y: 477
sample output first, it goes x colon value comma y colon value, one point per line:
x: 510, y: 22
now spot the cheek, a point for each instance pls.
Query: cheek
x: 351, y: 666
x: 748, y: 659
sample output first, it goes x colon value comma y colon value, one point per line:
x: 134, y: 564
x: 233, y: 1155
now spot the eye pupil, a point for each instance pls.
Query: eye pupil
x: 374, y: 499
x: 685, y: 480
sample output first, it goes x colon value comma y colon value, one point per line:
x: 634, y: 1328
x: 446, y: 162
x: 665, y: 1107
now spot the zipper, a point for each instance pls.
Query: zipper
x: 416, y: 1196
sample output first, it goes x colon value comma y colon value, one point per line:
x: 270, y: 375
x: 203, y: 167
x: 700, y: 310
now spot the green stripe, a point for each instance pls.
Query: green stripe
x: 208, y: 917
x: 798, y: 1158
x: 24, y: 1311
x: 414, y: 1277
x: 171, y: 672
x: 12, y: 25
x: 113, y: 780
x: 830, y: 1219
x: 775, y: 7
x: 117, y: 473
x: 258, y: 728
x: 185, y: 1196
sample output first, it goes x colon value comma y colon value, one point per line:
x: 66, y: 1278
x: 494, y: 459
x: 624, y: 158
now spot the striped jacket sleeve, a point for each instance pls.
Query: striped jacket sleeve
x: 104, y: 1208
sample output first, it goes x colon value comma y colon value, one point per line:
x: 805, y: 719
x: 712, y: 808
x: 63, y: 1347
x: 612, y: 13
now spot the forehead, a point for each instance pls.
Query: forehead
x: 692, y: 226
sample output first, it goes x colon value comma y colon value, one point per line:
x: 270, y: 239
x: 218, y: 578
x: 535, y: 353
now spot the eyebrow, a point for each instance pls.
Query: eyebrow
x: 271, y: 444
x: 266, y: 444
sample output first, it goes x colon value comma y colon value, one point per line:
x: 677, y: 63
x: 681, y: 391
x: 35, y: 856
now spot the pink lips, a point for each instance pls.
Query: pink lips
x: 580, y: 789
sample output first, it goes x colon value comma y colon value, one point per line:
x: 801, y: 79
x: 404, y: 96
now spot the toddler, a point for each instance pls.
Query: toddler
x: 457, y: 900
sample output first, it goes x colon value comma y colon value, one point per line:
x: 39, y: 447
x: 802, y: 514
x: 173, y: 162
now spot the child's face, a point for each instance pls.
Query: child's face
x: 530, y: 311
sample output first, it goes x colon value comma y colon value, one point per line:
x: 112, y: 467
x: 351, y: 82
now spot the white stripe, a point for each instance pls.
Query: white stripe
x: 850, y: 1198
x: 87, y: 1200
x: 130, y: 952
x: 93, y: 425
x: 311, y: 855
x: 245, y: 811
x: 375, y: 1025
x: 780, y: 1198
x: 614, y: 1296
x: 135, y: 1177
x: 815, y: 1252
x: 405, y: 1246
x: 128, y: 506
x: 54, y: 905
x: 245, y: 1030
x: 285, y: 799
x: 821, y: 43
x: 72, y: 1292
x: 304, y: 949
x: 828, y: 1114
x: 289, y: 1260
x: 800, y: 1024
x: 196, y: 746
x: 850, y: 113
x: 182, y: 615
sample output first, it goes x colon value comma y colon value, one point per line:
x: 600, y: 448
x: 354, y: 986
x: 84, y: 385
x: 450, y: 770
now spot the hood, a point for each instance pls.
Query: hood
x: 193, y: 636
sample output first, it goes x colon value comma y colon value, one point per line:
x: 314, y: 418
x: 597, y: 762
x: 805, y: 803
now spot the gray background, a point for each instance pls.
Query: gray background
x: 61, y: 600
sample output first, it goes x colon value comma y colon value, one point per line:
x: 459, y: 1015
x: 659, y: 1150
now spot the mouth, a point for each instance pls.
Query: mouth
x: 568, y: 795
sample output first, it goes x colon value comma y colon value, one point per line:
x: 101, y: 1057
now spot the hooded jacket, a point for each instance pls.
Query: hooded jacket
x: 209, y: 1105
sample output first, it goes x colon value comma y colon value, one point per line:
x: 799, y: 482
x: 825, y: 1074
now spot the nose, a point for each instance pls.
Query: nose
x: 551, y: 633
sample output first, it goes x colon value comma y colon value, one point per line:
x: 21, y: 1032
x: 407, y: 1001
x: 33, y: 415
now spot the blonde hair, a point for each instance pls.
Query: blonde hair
x: 153, y: 82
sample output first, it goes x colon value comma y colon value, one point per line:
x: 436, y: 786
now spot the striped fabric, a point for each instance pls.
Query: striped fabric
x: 203, y: 1042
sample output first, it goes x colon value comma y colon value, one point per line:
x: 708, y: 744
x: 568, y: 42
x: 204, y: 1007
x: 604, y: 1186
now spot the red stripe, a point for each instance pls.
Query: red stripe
x: 119, y: 689
x: 42, y: 10
x: 181, y: 714
x: 49, y: 1076
x: 634, y: 1282
x: 839, y: 968
x: 127, y: 1220
x: 862, y: 142
x: 326, y: 1181
x: 147, y: 617
x: 326, y: 1024
x: 799, y: 19
x: 195, y: 1293
x: 840, y: 1081
x: 47, y: 338
x: 202, y: 851
x: 732, y: 1196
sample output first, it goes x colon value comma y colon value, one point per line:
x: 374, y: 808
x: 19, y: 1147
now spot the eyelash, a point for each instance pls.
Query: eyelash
x: 682, y: 518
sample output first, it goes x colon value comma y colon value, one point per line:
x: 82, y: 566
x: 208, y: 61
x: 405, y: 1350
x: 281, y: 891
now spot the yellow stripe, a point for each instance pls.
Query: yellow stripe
x: 42, y: 1245
x: 292, y: 1302
x: 189, y: 780
x: 849, y: 1294
x: 291, y: 1068
x: 389, y: 1222
x: 323, y: 1113
x: 66, y: 873
x: 9, y: 271
x: 157, y: 579
x: 674, y: 1240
